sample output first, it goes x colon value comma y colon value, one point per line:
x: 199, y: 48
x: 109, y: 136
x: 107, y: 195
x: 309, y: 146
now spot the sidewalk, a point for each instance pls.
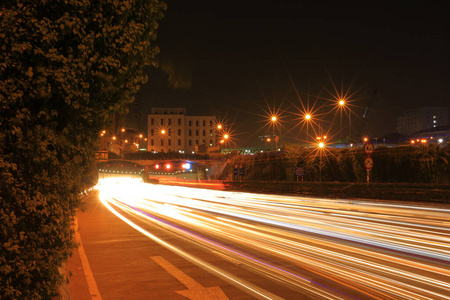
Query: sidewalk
x: 119, y: 259
x: 125, y: 264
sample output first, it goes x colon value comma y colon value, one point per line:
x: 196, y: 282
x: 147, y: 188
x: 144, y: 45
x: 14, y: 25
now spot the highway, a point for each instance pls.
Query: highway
x: 288, y: 247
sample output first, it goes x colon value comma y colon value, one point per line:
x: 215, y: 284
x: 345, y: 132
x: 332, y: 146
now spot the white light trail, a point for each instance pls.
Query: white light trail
x: 358, y: 249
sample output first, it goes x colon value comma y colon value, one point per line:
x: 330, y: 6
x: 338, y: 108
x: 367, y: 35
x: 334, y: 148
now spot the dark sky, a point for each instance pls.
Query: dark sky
x: 239, y: 55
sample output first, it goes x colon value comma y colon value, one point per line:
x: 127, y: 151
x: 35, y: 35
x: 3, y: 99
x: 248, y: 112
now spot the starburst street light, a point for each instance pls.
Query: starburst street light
x: 342, y: 99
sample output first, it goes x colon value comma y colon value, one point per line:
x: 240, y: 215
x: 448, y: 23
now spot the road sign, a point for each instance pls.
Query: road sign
x: 299, y: 171
x: 368, y: 147
x: 368, y: 163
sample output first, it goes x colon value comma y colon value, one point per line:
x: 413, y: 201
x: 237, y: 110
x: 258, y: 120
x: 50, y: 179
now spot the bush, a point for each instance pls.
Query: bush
x: 65, y: 67
x: 428, y: 164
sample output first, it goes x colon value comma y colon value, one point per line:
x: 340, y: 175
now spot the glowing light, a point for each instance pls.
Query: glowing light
x: 163, y: 131
x: 157, y: 166
x: 114, y: 138
x: 168, y: 166
x: 321, y: 145
x: 307, y: 116
x: 274, y: 118
x: 140, y: 136
x: 341, y: 102
x: 366, y: 139
x: 123, y: 129
x: 219, y: 126
x: 226, y: 136
x: 126, y: 141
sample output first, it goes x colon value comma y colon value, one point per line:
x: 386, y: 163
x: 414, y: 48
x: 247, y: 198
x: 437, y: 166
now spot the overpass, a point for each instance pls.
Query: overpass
x: 138, y: 168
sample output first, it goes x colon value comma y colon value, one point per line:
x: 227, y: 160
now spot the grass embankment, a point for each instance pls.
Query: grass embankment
x: 382, y: 191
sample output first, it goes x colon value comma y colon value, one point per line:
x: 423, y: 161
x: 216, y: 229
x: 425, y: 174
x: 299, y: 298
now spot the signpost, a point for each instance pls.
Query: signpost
x: 368, y: 161
x: 238, y: 172
x: 368, y: 148
x: 299, y: 172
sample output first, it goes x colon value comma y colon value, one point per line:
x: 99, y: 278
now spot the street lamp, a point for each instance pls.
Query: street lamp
x: 274, y: 120
x: 341, y: 108
x: 321, y: 146
x: 307, y: 118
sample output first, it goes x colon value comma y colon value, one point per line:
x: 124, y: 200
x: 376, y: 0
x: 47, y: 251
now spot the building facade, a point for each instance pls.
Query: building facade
x: 424, y: 118
x: 171, y: 130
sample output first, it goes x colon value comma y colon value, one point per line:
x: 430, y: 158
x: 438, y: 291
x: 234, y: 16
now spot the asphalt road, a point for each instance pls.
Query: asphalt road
x: 145, y: 241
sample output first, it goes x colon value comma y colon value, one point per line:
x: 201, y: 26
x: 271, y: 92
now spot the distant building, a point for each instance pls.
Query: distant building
x: 424, y: 118
x: 436, y: 135
x: 171, y: 130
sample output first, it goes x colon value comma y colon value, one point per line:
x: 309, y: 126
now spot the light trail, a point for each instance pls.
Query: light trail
x: 326, y: 249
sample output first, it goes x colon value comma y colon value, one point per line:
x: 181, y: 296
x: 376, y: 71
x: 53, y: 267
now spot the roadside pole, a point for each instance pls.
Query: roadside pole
x: 368, y: 161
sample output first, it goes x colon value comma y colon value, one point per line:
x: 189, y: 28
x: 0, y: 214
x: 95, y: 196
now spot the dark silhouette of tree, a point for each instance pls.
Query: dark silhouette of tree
x: 65, y: 67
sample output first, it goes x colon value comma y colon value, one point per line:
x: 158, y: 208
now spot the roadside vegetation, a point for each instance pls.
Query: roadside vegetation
x: 65, y: 67
x: 400, y: 173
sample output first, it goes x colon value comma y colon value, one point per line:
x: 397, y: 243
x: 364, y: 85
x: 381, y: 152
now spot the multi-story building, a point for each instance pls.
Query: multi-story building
x: 423, y: 118
x: 171, y: 130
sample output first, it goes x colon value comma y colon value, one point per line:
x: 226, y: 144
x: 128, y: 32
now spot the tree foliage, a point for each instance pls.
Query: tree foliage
x: 407, y: 164
x: 65, y: 66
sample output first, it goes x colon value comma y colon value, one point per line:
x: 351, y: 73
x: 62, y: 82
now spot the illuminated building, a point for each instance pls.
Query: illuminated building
x: 171, y: 130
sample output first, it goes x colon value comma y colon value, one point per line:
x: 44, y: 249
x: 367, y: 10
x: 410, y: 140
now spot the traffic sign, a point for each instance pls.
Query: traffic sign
x: 368, y: 147
x: 300, y: 171
x: 368, y: 163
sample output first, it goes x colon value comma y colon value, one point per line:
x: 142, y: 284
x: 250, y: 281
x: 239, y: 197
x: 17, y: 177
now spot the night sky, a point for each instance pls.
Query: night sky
x: 233, y: 58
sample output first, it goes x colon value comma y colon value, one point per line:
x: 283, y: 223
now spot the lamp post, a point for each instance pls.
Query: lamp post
x: 341, y: 106
x: 274, y: 120
x: 307, y: 119
x: 321, y: 146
